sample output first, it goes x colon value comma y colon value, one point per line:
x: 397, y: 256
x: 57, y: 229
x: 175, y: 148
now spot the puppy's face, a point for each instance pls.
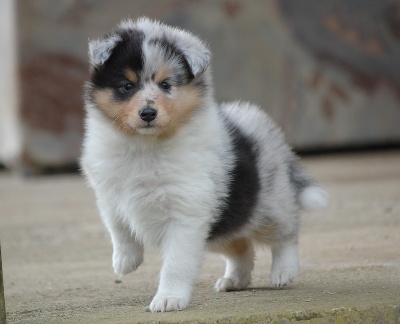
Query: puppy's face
x: 147, y: 78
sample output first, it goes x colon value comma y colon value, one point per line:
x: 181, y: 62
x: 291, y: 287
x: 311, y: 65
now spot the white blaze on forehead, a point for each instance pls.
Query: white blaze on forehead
x: 149, y: 93
x: 154, y: 60
x: 194, y: 50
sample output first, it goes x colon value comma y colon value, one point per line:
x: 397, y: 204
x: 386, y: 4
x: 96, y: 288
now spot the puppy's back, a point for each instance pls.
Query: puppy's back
x: 282, y: 183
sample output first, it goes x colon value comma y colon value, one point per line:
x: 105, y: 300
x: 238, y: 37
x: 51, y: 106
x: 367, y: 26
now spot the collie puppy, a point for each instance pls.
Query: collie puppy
x: 172, y: 169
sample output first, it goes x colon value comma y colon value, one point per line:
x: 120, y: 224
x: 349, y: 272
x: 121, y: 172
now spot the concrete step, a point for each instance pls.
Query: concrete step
x: 57, y: 256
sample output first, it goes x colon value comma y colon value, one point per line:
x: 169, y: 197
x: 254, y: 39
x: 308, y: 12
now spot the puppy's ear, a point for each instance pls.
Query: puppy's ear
x: 198, y: 59
x: 100, y: 50
x: 196, y: 53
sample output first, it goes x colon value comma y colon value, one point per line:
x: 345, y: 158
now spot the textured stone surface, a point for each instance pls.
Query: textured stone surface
x: 57, y: 256
x: 2, y: 302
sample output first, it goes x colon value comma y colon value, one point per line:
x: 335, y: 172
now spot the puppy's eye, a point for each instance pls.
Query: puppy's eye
x: 165, y: 85
x: 128, y: 86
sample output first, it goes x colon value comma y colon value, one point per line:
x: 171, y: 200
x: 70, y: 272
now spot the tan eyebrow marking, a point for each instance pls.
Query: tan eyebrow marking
x: 162, y: 75
x: 131, y: 76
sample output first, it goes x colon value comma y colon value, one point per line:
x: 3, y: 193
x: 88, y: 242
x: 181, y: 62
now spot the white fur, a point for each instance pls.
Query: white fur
x: 166, y: 192
x: 159, y: 194
x: 237, y: 272
x: 285, y: 263
x: 314, y: 198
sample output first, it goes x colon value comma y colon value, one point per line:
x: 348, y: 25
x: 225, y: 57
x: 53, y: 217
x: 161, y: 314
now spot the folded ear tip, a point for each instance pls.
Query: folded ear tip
x: 100, y: 50
x: 198, y: 61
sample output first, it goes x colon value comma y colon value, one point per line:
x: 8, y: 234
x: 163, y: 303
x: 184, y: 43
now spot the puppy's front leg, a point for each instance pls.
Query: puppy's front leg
x: 127, y: 251
x: 182, y: 252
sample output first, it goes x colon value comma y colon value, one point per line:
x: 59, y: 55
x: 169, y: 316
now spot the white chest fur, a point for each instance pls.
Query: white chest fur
x: 150, y: 183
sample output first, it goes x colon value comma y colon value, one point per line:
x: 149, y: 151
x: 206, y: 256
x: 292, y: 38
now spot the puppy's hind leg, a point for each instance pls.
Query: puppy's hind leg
x: 285, y: 263
x: 239, y: 257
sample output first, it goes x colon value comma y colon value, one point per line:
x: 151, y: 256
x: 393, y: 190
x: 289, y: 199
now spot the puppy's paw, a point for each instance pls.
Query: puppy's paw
x: 165, y: 303
x: 230, y: 284
x: 124, y: 263
x: 282, y: 277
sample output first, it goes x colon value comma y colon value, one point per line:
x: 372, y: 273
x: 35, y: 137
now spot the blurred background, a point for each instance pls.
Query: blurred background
x: 328, y: 72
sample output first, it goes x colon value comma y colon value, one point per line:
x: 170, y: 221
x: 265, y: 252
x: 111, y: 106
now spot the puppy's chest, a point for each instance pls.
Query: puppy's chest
x: 140, y: 184
x: 155, y: 190
x: 145, y: 184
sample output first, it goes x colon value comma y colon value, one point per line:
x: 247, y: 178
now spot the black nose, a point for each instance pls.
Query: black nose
x: 148, y: 114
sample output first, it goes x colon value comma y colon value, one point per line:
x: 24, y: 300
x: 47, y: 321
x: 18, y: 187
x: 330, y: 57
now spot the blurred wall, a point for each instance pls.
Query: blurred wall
x: 10, y: 137
x: 289, y: 57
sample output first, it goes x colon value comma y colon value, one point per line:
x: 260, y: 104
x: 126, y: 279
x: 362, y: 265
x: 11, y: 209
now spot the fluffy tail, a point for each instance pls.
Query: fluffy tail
x: 313, y: 197
x: 309, y: 195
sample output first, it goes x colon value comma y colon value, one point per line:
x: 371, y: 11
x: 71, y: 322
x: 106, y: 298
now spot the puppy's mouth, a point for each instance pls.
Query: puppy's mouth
x: 151, y: 124
x: 148, y: 128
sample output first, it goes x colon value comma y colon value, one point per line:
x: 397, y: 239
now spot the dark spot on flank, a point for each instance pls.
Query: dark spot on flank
x: 244, y: 186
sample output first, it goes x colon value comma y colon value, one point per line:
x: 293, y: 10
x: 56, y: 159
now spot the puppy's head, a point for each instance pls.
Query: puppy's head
x: 148, y: 78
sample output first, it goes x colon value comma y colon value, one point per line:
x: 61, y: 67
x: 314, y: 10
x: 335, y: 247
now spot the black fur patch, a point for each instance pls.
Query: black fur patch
x: 244, y: 187
x: 127, y: 54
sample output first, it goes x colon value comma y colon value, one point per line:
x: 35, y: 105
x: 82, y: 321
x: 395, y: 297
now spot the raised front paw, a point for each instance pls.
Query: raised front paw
x: 125, y: 262
x: 165, y: 303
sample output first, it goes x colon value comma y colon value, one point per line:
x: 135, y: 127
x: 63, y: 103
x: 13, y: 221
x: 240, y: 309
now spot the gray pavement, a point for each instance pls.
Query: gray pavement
x: 57, y: 256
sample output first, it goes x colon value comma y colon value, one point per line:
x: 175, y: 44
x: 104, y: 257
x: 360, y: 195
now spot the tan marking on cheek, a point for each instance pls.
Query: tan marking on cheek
x: 122, y: 115
x: 131, y: 76
x: 237, y: 247
x: 178, y: 111
x: 129, y: 118
x: 104, y: 101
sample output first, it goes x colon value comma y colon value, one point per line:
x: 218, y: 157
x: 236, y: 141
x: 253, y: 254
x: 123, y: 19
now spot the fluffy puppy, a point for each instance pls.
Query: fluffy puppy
x: 170, y: 168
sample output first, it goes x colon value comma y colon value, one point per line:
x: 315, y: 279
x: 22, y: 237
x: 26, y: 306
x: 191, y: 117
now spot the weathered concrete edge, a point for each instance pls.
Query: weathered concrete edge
x: 385, y: 314
x: 2, y: 302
